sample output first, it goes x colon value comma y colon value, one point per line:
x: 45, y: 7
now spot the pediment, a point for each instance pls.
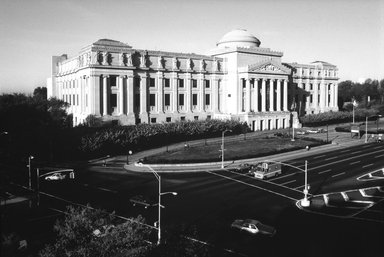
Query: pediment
x: 269, y: 67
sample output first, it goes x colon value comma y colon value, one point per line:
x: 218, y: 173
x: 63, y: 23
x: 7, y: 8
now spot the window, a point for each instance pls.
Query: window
x: 86, y: 100
x: 181, y: 99
x: 207, y: 84
x: 181, y: 82
x: 137, y: 100
x: 194, y: 99
x: 196, y: 117
x: 310, y: 98
x: 152, y: 100
x: 311, y: 86
x: 194, y: 83
x: 77, y: 96
x: 153, y: 120
x: 166, y: 82
x: 112, y: 81
x: 74, y: 100
x: 182, y: 118
x: 207, y: 99
x: 168, y: 119
x: 137, y: 82
x: 209, y: 117
x: 152, y: 82
x: 113, y: 100
x: 167, y: 99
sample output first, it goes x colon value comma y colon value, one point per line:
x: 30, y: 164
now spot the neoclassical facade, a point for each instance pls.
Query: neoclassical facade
x: 237, y: 80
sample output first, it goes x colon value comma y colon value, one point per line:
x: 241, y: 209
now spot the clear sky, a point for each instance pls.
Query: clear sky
x: 347, y: 33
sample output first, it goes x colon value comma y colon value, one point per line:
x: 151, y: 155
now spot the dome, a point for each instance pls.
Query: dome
x: 240, y: 38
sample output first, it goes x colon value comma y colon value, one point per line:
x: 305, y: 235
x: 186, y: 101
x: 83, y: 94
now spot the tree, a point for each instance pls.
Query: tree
x: 90, y: 232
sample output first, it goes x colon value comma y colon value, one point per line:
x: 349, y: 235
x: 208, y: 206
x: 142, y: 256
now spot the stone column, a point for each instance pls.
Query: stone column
x: 315, y: 102
x: 200, y: 103
x: 278, y: 105
x: 271, y: 95
x: 322, y: 96
x: 130, y: 96
x: 215, y: 94
x: 188, y: 95
x: 247, y: 95
x: 94, y: 95
x: 121, y: 94
x: 285, y: 97
x: 105, y: 95
x: 175, y: 93
x: 143, y: 95
x: 256, y: 95
x: 263, y: 96
x: 160, y: 92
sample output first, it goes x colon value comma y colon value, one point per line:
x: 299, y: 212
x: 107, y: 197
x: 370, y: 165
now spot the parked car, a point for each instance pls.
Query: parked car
x: 55, y: 176
x: 244, y: 168
x: 253, y: 227
x: 301, y: 132
x: 316, y: 131
x: 141, y: 200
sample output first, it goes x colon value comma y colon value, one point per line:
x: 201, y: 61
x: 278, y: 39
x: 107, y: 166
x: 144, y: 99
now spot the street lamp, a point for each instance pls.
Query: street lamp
x: 222, y: 147
x: 159, y: 204
x: 305, y: 202
x: 129, y: 153
x: 29, y: 171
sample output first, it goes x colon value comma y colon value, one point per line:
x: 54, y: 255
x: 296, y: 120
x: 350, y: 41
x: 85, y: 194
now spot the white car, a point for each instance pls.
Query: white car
x: 253, y: 227
x: 55, y: 176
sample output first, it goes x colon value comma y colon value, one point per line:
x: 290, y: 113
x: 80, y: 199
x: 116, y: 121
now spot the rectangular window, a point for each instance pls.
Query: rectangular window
x: 181, y: 99
x: 152, y: 100
x: 310, y: 98
x: 152, y: 82
x: 194, y: 99
x: 136, y: 82
x: 77, y: 96
x: 86, y: 100
x: 311, y: 86
x: 137, y: 100
x: 207, y: 83
x: 181, y: 82
x: 168, y: 119
x: 112, y: 81
x: 196, y: 117
x: 167, y: 99
x: 207, y: 99
x: 153, y: 120
x: 74, y: 99
x: 209, y: 117
x: 113, y: 100
x: 166, y: 82
x: 194, y: 83
x: 182, y: 118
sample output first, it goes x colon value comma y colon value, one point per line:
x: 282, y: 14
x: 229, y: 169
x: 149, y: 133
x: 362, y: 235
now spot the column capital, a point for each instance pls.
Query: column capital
x: 104, y: 76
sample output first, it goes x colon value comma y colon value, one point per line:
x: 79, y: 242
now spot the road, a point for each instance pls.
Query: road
x: 208, y: 202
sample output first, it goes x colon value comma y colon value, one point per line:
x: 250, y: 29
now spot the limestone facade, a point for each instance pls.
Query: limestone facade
x: 237, y: 80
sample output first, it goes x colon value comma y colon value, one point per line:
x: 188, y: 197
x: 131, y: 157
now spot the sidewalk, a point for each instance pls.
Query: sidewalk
x: 339, y: 140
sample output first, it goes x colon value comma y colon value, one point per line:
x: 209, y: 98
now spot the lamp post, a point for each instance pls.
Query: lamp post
x: 159, y: 204
x: 129, y: 153
x: 305, y: 202
x: 222, y: 147
x: 366, y: 129
x: 29, y: 171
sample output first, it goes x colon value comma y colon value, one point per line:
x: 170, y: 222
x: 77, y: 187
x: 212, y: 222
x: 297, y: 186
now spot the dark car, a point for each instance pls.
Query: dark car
x: 141, y: 200
x: 253, y: 227
x: 244, y: 168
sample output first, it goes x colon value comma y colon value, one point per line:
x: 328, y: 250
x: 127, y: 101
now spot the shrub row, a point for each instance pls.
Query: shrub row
x: 325, y: 118
x: 117, y: 140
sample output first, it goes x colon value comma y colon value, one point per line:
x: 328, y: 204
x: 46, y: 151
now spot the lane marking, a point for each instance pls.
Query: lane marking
x: 331, y: 158
x: 345, y: 196
x: 344, y: 151
x: 319, y: 156
x: 324, y: 171
x: 351, y: 163
x: 245, y: 183
x: 299, y: 187
x: 288, y: 175
x: 339, y: 174
x: 107, y: 190
x: 378, y: 156
x: 288, y: 182
x: 365, y: 166
x: 356, y: 152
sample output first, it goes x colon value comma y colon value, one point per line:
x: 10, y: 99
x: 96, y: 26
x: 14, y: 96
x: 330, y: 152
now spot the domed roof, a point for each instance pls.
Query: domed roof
x: 238, y: 37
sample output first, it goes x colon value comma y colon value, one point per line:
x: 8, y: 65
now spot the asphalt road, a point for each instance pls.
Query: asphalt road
x: 208, y: 203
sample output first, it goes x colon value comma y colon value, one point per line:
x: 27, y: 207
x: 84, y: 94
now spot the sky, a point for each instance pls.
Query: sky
x: 347, y: 33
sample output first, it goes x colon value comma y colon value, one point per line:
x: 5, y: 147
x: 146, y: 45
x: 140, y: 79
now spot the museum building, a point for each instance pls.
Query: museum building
x: 237, y: 80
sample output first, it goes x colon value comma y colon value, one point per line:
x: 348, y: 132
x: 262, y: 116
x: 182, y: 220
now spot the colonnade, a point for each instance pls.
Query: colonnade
x: 278, y: 102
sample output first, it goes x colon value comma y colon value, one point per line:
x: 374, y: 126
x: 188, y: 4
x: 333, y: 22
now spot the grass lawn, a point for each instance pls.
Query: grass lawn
x: 235, y: 150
